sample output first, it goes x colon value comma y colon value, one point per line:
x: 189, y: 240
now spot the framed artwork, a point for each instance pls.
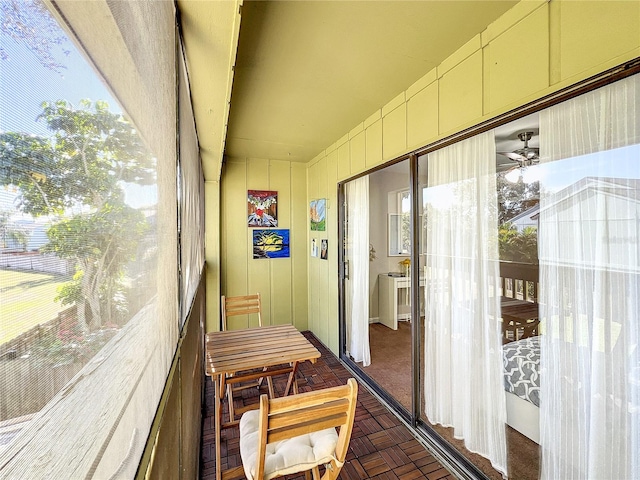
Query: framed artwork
x: 272, y: 243
x: 324, y: 247
x: 262, y: 208
x: 317, y: 214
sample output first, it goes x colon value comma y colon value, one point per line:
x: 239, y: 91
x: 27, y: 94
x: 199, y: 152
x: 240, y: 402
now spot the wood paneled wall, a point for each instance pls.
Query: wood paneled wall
x: 282, y: 282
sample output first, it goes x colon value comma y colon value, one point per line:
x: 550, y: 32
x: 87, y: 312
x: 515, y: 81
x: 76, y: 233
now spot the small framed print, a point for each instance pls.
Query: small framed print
x: 324, y: 248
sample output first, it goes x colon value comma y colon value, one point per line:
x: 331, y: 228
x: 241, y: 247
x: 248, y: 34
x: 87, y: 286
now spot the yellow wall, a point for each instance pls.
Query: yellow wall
x: 322, y: 178
x: 534, y: 49
x: 282, y: 282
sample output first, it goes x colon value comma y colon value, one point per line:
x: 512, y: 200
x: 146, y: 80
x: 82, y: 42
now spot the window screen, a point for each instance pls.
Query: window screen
x: 88, y: 263
x: 191, y: 200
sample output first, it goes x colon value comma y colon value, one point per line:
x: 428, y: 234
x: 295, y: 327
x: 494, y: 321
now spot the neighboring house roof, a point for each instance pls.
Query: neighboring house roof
x: 37, y: 234
x: 530, y: 213
x: 575, y: 205
x: 625, y: 188
x: 628, y: 188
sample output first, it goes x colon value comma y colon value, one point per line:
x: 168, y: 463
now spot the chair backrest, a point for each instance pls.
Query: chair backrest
x: 241, y: 305
x: 287, y: 417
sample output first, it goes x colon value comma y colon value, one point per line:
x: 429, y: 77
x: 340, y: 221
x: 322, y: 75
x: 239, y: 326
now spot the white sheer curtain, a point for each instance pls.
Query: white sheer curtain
x: 463, y: 355
x: 590, y: 285
x: 357, y: 192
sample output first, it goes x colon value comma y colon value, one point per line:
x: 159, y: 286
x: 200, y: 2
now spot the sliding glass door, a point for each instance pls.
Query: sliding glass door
x: 377, y: 291
x: 590, y: 284
x: 528, y: 267
x: 463, y: 391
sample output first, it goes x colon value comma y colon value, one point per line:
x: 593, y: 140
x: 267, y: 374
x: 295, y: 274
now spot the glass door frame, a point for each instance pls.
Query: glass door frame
x: 343, y: 271
x: 443, y: 450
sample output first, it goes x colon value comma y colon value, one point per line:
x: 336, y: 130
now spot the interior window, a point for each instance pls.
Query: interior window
x: 399, y: 242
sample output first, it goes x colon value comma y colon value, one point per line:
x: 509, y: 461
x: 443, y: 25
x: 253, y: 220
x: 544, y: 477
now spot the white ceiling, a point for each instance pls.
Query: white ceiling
x: 307, y: 72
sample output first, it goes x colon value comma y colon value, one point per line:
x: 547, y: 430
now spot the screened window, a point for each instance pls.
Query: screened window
x: 88, y: 304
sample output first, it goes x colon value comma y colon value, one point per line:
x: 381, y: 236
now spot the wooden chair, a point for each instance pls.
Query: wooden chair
x: 242, y: 305
x: 300, y: 431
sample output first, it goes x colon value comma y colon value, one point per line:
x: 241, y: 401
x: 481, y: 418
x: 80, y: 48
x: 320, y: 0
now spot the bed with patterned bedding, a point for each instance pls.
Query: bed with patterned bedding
x: 521, y: 361
x: 521, y: 368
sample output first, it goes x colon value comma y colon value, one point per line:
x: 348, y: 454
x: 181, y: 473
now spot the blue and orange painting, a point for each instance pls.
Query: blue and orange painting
x: 271, y: 243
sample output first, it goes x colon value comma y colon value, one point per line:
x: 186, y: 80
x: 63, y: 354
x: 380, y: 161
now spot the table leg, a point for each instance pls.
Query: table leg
x: 218, y: 426
x: 291, y: 381
x: 222, y: 388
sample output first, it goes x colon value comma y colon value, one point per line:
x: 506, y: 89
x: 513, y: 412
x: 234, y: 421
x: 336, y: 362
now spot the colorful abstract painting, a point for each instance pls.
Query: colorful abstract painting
x: 262, y: 208
x: 317, y: 214
x: 271, y: 243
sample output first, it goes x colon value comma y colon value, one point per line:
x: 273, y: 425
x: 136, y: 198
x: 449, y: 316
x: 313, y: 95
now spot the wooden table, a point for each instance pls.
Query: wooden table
x: 279, y: 348
x: 519, y: 318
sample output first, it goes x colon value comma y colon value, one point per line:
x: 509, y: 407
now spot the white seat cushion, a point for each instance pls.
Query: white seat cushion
x: 288, y: 456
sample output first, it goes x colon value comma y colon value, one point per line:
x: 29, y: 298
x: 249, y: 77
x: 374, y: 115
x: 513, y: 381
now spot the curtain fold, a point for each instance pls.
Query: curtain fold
x: 357, y: 192
x: 590, y: 285
x: 463, y: 354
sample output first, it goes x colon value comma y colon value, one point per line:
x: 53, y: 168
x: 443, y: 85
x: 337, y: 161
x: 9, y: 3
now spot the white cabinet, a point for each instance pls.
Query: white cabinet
x: 394, y: 300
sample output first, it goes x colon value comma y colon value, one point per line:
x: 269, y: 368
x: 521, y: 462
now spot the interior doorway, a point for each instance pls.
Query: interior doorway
x: 386, y: 272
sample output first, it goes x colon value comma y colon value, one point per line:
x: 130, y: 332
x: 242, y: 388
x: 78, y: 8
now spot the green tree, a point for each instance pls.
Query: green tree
x: 10, y: 231
x: 82, y: 167
x: 518, y: 246
x: 515, y: 198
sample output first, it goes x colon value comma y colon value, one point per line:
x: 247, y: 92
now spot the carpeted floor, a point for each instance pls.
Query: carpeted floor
x: 391, y: 369
x: 391, y: 360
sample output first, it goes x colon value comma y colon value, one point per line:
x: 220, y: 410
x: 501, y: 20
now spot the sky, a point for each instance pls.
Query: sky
x: 25, y: 83
x: 623, y: 162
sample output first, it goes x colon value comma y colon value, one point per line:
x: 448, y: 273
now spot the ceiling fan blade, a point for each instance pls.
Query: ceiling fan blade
x: 516, y: 157
x: 502, y: 167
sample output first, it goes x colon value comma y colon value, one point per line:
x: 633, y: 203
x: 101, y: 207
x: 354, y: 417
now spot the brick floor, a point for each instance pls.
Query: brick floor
x: 381, y: 446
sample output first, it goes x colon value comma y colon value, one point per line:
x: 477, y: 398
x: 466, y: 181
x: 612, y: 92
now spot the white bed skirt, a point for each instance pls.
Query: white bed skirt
x: 524, y: 416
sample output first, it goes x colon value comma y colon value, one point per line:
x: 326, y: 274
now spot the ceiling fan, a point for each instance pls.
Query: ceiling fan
x: 525, y: 157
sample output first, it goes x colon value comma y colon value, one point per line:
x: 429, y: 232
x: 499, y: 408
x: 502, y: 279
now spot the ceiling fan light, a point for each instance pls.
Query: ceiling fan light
x: 512, y: 175
x: 531, y: 174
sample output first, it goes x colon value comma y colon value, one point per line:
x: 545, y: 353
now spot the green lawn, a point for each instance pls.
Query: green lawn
x: 26, y: 299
